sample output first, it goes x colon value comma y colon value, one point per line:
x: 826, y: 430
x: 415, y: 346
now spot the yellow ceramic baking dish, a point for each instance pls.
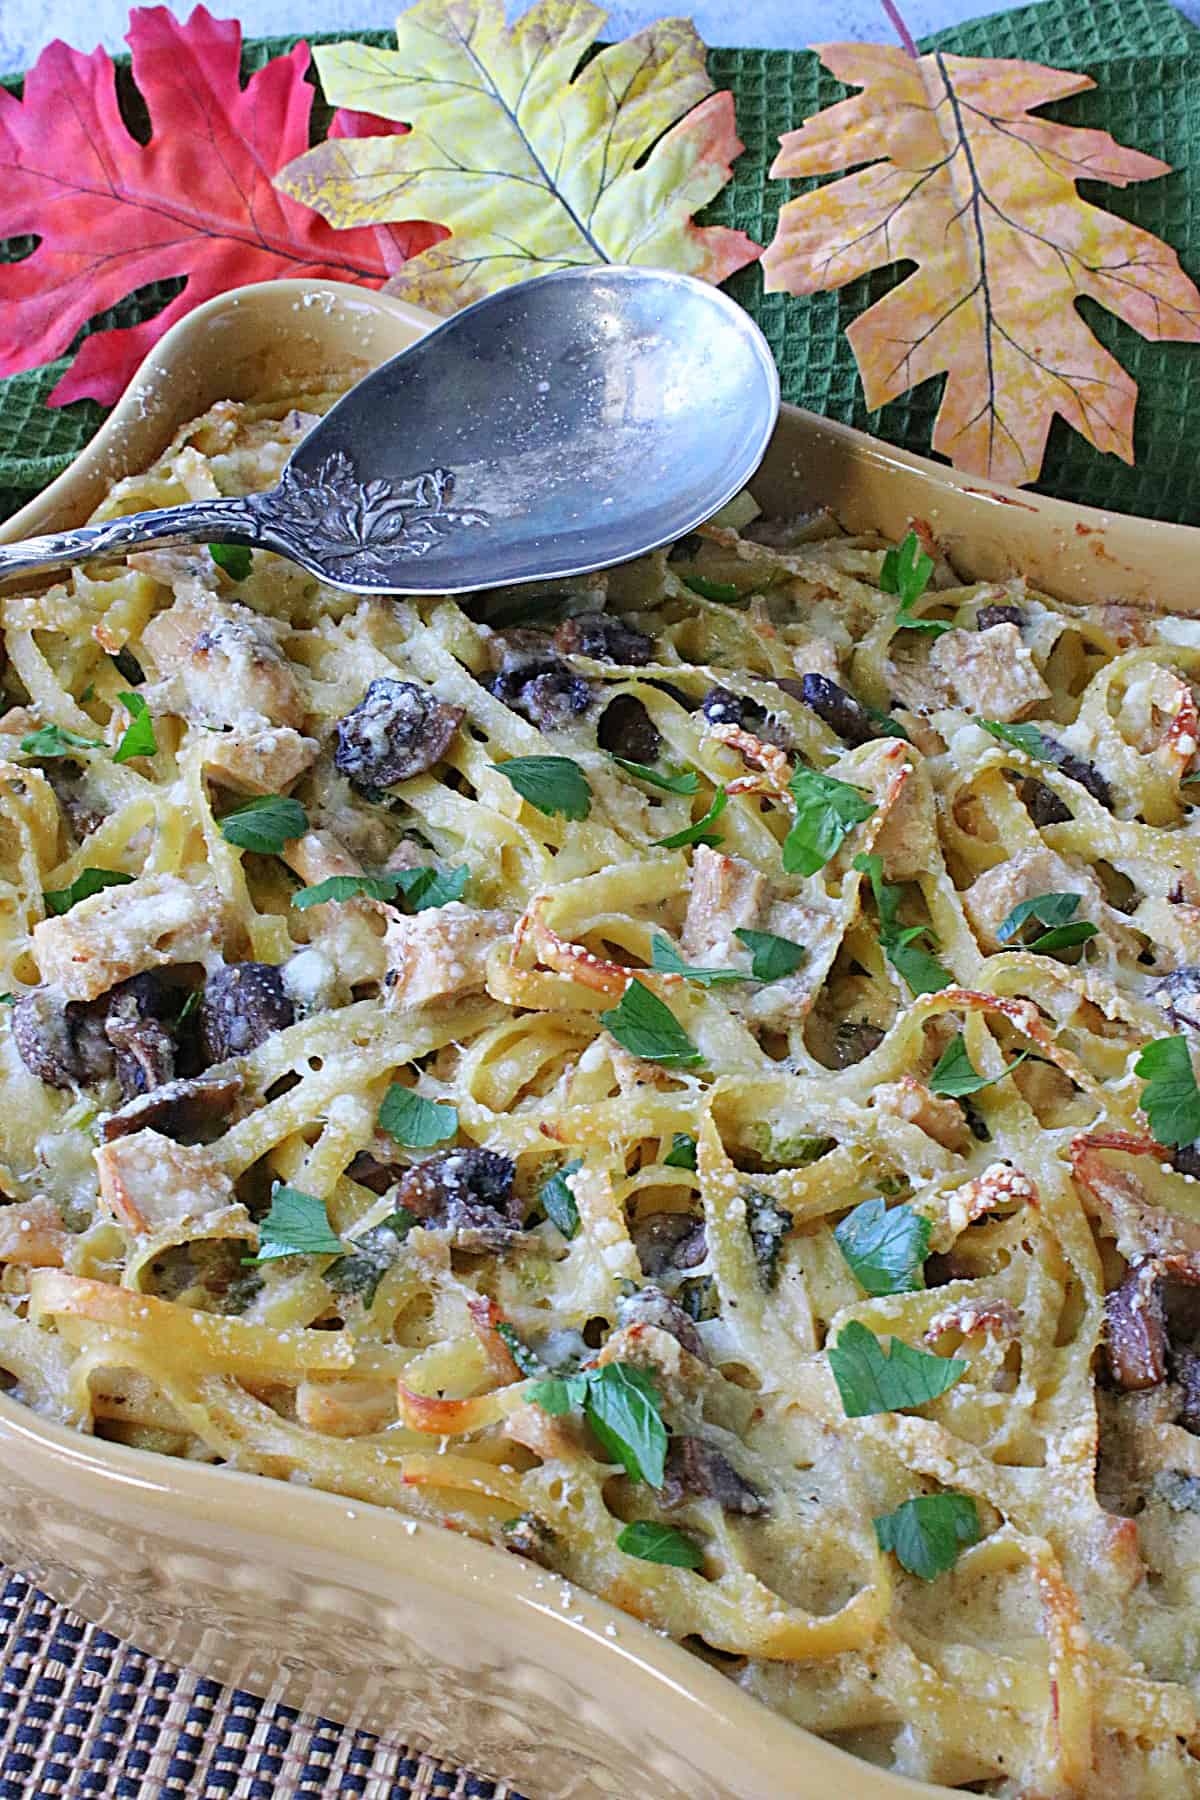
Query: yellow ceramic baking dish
x: 350, y: 1610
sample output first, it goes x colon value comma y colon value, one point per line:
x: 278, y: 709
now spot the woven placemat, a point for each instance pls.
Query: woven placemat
x: 85, y: 1717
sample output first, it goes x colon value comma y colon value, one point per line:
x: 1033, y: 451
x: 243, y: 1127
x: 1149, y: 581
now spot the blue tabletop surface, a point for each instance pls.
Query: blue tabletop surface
x: 26, y: 25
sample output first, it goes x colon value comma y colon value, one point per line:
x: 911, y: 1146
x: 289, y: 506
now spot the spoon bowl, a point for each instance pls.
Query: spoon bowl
x: 556, y: 427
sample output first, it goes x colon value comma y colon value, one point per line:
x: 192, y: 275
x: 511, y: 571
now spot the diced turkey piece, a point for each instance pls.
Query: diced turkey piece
x: 221, y: 664
x: 989, y: 900
x: 262, y: 760
x: 151, y: 1184
x: 991, y: 672
x: 726, y: 895
x: 938, y: 1116
x: 441, y: 951
x: 907, y: 839
x: 155, y: 920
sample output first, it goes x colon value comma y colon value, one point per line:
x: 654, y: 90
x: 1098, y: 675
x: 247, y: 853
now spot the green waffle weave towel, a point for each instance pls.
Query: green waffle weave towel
x: 1145, y: 59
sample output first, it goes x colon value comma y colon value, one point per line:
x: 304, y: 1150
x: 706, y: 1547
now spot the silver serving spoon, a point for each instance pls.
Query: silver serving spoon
x: 554, y: 428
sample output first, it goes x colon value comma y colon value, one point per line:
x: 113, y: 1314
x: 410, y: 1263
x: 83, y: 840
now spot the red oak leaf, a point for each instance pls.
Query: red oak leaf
x: 195, y: 201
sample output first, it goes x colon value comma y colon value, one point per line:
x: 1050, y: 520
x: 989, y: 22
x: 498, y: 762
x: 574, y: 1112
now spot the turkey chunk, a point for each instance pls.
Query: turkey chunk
x: 441, y: 951
x: 150, y: 1184
x: 726, y: 895
x: 938, y: 1117
x: 155, y: 920
x: 990, y: 899
x: 264, y: 761
x: 221, y: 664
x: 991, y: 671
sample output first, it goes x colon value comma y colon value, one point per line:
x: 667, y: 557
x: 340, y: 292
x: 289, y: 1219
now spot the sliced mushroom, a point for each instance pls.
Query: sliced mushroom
x: 1178, y: 994
x: 697, y: 1469
x: 669, y: 1240
x: 177, y: 1108
x: 604, y: 639
x: 543, y: 689
x: 468, y: 1192
x: 839, y: 710
x: 987, y: 616
x: 136, y: 1028
x: 650, y: 1306
x: 60, y: 1041
x: 396, y: 731
x: 243, y: 1004
x: 1044, y: 805
x: 626, y: 729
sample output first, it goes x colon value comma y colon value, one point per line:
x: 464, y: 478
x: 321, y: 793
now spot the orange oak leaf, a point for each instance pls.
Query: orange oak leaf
x: 112, y: 214
x: 955, y: 174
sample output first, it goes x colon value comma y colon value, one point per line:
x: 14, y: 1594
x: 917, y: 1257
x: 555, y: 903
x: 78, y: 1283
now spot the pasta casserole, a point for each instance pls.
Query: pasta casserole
x: 683, y: 1074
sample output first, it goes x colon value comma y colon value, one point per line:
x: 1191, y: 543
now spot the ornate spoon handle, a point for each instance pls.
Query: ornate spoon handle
x: 199, y: 522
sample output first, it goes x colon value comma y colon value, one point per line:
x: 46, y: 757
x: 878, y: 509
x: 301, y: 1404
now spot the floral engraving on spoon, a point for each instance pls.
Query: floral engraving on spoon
x: 362, y: 527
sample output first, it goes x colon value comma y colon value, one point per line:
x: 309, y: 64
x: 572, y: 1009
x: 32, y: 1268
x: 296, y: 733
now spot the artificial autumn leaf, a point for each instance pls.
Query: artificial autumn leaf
x: 530, y: 169
x: 961, y: 179
x: 112, y: 214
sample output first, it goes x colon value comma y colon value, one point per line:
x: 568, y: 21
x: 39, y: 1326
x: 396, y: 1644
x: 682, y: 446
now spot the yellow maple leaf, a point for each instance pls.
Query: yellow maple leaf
x: 962, y: 180
x: 531, y: 166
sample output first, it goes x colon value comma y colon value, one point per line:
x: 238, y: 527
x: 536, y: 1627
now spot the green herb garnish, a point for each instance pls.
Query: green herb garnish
x: 91, y: 881
x: 723, y: 591
x: 558, y: 1202
x: 621, y: 1404
x: 1170, y: 1098
x: 674, y: 781
x: 954, y: 1073
x: 415, y: 1121
x: 553, y: 784
x: 927, y: 1534
x: 905, y: 572
x: 885, y: 1247
x: 699, y: 832
x: 660, y: 1544
x: 527, y: 1360
x: 56, y: 740
x: 371, y: 1255
x: 233, y: 558
x: 682, y: 1154
x: 772, y: 958
x: 138, y: 738
x: 646, y: 1027
x: 264, y: 824
x: 1022, y: 737
x: 871, y: 1379
x: 420, y: 889
x: 827, y: 810
x: 921, y: 970
x: 296, y: 1225
x: 666, y: 960
x: 1053, y: 910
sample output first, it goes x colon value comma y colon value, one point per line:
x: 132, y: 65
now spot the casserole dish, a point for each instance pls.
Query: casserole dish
x: 349, y: 1610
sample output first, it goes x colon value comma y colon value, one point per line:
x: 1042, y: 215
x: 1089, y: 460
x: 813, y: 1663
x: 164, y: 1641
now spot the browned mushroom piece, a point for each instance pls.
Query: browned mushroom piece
x: 650, y: 1306
x: 60, y: 1041
x: 669, y: 1240
x: 136, y: 1027
x: 1178, y: 994
x: 626, y: 729
x: 243, y: 1004
x: 177, y: 1108
x: 1136, y: 1342
x: 996, y: 614
x: 542, y: 688
x: 604, y: 639
x: 696, y: 1469
x: 467, y: 1192
x: 396, y: 731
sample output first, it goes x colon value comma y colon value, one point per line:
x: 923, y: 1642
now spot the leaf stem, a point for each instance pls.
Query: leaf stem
x: 901, y: 29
